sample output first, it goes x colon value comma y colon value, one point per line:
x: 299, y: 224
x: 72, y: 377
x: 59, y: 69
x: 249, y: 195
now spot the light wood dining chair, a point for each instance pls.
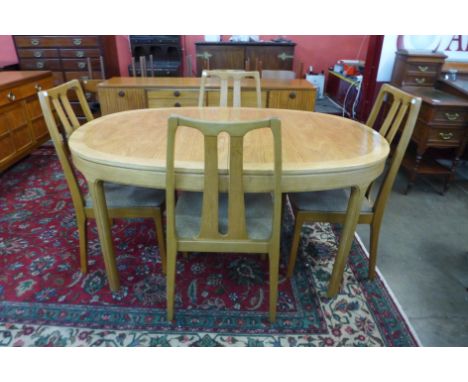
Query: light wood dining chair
x: 247, y: 222
x: 397, y: 112
x: 122, y: 201
x: 278, y: 74
x: 225, y: 77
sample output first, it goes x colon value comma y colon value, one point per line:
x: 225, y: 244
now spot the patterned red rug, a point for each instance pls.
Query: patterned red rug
x: 221, y: 300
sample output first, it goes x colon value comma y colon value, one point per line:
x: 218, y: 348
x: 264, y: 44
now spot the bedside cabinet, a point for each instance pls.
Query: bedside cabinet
x: 416, y: 69
x: 442, y: 125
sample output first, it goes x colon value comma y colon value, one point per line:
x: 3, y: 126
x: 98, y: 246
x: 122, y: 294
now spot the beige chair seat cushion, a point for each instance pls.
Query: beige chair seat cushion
x: 258, y: 211
x: 325, y: 201
x: 123, y: 196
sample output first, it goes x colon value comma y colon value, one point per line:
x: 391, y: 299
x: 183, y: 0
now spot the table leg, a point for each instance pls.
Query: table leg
x: 102, y: 221
x: 347, y: 237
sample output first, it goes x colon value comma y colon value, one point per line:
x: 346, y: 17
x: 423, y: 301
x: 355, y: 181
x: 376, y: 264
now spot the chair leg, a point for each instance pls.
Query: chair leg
x: 374, y: 243
x: 170, y: 280
x: 273, y: 270
x: 161, y: 239
x: 295, y: 243
x: 83, y: 235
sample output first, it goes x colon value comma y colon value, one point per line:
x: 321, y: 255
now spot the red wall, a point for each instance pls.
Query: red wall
x: 319, y: 51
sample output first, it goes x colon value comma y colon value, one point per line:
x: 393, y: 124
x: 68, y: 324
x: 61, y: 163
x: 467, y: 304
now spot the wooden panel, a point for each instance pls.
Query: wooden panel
x: 271, y: 57
x: 83, y: 75
x: 248, y: 98
x: 171, y: 102
x: 292, y: 99
x: 114, y: 100
x: 173, y: 93
x: 220, y: 57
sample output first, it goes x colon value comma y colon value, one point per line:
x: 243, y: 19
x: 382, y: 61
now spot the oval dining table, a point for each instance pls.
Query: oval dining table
x: 319, y: 152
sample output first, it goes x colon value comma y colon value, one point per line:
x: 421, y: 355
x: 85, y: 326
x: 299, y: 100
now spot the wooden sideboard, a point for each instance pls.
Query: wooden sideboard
x: 125, y: 93
x: 244, y: 55
x: 22, y: 127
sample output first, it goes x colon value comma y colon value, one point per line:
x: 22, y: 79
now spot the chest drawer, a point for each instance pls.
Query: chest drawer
x: 418, y: 79
x: 77, y: 64
x: 446, y: 115
x: 38, y: 53
x: 79, y: 53
x: 51, y: 41
x: 438, y: 136
x: 422, y: 68
x: 40, y: 64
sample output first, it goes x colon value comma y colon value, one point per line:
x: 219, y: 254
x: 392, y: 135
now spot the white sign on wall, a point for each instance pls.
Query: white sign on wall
x: 455, y: 47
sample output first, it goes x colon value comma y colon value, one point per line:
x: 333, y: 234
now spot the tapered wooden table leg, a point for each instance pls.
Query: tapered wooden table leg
x: 347, y: 237
x: 102, y: 221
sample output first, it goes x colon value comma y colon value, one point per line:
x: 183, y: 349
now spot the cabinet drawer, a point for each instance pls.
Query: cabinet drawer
x: 248, y: 98
x: 46, y: 41
x: 415, y: 79
x: 175, y: 94
x: 171, y: 102
x: 38, y: 53
x: 40, y: 64
x: 79, y: 53
x: 292, y: 99
x: 81, y: 75
x: 114, y: 99
x: 77, y: 64
x: 9, y: 96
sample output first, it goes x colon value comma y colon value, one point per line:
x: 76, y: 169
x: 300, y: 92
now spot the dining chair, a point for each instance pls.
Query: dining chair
x: 225, y: 76
x: 396, y: 112
x: 223, y: 218
x: 278, y: 74
x: 122, y: 201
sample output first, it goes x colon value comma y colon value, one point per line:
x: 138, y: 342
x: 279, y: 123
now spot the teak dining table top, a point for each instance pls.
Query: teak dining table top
x: 318, y: 149
x: 319, y: 152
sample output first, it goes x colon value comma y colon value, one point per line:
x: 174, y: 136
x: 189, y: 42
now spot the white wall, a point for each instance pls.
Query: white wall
x: 455, y: 47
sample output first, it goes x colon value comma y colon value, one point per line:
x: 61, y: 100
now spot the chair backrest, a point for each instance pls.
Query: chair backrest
x: 209, y: 226
x: 278, y: 74
x: 225, y: 76
x: 399, y: 111
x: 56, y: 100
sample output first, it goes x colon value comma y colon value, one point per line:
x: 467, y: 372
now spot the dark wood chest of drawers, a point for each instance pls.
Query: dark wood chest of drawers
x: 236, y: 55
x: 67, y: 56
x: 22, y: 127
x: 416, y: 69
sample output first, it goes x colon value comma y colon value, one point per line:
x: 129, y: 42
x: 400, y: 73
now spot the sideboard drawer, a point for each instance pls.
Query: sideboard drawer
x: 175, y: 94
x: 418, y: 79
x: 292, y: 99
x: 447, y: 115
x: 446, y: 136
x: 16, y: 93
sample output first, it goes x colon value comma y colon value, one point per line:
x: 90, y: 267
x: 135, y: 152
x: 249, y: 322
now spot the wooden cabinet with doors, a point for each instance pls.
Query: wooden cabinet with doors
x: 126, y: 93
x: 248, y: 55
x: 22, y: 127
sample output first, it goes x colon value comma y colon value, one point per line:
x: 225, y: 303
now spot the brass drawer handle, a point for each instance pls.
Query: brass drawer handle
x: 446, y: 136
x: 292, y: 95
x: 79, y: 53
x: 420, y: 80
x: 177, y: 93
x: 177, y: 104
x: 77, y: 41
x: 40, y: 64
x: 38, y: 87
x: 121, y: 93
x: 81, y: 65
x: 34, y: 41
x: 452, y: 116
x: 284, y: 56
x: 11, y: 96
x: 423, y: 68
x: 37, y: 54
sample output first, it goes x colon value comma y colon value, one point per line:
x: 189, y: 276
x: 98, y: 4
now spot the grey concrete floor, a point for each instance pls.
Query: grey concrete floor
x: 423, y: 256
